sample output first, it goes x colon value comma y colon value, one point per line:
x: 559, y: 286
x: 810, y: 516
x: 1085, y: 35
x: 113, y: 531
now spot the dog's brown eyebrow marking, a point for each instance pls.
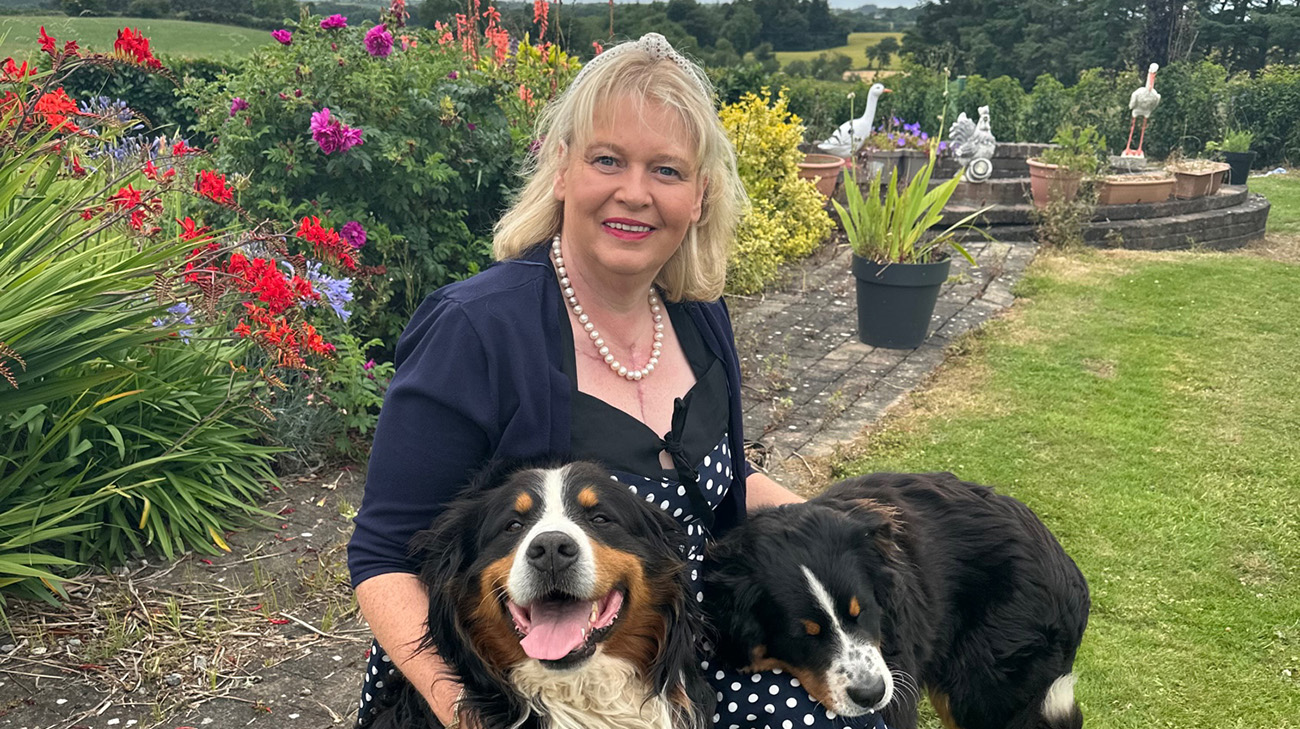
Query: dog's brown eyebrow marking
x: 854, y: 607
x: 587, y: 497
x: 523, y: 502
x: 811, y: 627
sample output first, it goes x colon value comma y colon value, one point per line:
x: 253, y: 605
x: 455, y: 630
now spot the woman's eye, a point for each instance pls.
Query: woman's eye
x: 514, y: 526
x: 604, y: 160
x: 669, y: 172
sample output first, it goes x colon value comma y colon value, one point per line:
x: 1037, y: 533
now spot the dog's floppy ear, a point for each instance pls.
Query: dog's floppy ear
x: 883, y: 522
x: 733, y: 595
x: 677, y: 662
x: 445, y: 552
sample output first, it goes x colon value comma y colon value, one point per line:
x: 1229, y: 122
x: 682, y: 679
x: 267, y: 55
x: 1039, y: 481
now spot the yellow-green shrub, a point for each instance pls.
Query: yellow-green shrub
x: 787, y: 219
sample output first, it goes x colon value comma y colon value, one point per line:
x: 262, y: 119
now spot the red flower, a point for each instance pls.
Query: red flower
x: 77, y: 169
x: 14, y: 73
x: 327, y: 242
x: 213, y: 186
x: 180, y: 149
x: 151, y: 172
x: 55, y: 107
x: 48, y: 44
x: 190, y: 230
x: 133, y: 46
x: 127, y: 197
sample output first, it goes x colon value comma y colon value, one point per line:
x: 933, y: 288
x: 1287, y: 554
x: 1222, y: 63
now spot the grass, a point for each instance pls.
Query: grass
x: 1283, y: 191
x: 167, y: 37
x: 1145, y: 406
x: 856, y: 49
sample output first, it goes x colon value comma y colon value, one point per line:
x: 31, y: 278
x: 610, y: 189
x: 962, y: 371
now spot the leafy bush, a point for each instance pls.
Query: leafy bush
x: 786, y: 219
x: 1078, y: 149
x: 153, y: 96
x: 126, y: 419
x: 443, y: 131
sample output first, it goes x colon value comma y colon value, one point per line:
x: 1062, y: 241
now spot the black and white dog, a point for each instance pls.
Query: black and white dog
x: 889, y: 583
x: 560, y: 600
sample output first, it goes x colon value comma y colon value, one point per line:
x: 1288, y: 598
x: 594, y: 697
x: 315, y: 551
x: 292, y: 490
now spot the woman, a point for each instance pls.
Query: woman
x: 600, y: 329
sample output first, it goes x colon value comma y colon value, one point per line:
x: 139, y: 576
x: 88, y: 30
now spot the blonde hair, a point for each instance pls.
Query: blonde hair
x: 698, y: 270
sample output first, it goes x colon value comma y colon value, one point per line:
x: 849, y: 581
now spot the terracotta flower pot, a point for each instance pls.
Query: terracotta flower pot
x: 1050, y: 182
x: 822, y: 169
x: 1198, y: 181
x: 1133, y: 189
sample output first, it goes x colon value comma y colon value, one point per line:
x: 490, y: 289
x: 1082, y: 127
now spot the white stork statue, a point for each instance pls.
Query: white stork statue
x: 1142, y: 101
x: 852, y: 133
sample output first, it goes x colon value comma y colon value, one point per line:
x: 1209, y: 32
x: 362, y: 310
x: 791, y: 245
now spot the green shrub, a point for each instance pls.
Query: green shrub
x: 1267, y: 105
x: 443, y: 134
x: 1078, y: 149
x: 152, y: 96
x: 126, y: 419
x: 786, y: 220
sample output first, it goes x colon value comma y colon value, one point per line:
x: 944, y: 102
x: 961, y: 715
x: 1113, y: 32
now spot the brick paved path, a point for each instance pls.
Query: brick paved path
x: 811, y: 385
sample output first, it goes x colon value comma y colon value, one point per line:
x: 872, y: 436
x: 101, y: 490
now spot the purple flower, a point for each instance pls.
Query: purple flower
x: 335, y: 292
x: 379, y: 42
x: 453, y: 75
x: 285, y: 37
x: 334, y: 22
x: 332, y: 135
x: 237, y: 105
x: 354, y: 234
x: 369, y: 365
x: 470, y: 126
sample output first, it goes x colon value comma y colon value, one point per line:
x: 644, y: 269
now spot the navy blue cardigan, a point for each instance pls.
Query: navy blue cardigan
x: 479, y: 376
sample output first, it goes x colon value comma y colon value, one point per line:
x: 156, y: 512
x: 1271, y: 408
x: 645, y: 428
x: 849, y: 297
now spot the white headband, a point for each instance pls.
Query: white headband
x: 657, y: 47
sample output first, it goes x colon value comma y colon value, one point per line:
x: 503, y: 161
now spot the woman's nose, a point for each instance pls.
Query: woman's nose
x: 635, y: 190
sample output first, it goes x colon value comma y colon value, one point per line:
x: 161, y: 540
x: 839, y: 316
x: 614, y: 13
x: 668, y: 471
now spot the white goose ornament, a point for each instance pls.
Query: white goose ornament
x: 850, y: 136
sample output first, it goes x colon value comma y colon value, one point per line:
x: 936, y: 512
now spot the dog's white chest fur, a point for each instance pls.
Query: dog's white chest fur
x: 602, y: 693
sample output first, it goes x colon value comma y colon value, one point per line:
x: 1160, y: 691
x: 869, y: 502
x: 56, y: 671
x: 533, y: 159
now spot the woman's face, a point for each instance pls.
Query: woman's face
x: 630, y: 192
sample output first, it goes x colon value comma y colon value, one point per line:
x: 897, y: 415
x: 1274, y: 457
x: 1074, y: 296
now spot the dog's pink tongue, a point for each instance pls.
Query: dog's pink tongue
x: 557, y: 629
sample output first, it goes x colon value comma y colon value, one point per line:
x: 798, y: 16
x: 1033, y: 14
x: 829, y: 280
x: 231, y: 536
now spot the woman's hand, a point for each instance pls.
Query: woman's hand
x: 396, y: 606
x: 762, y: 492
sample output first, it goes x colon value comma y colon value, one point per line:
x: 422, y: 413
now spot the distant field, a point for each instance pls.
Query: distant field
x: 170, y: 37
x: 856, y: 49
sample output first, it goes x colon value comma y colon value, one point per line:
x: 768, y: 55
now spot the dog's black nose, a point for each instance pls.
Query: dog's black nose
x: 868, y: 693
x: 552, y: 552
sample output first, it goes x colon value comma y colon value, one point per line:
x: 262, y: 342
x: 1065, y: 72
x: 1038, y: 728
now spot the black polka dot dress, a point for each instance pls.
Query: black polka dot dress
x: 703, y: 467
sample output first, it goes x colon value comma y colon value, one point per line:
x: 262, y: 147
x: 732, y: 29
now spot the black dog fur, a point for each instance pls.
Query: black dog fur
x: 963, y: 590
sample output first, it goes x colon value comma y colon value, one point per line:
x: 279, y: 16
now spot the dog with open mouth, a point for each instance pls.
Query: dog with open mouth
x: 888, y: 584
x: 560, y: 601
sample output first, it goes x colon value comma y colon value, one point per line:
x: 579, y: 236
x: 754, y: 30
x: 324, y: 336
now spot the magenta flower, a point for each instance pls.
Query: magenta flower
x: 332, y: 135
x: 379, y: 42
x: 285, y: 37
x: 369, y: 365
x: 334, y: 22
x: 354, y: 234
x: 453, y: 75
x: 237, y: 105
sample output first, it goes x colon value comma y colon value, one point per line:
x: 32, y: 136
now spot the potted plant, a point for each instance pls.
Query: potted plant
x: 895, y: 145
x: 1235, y: 148
x: 1131, y: 189
x: 823, y: 170
x: 1195, y: 178
x: 898, y: 269
x: 1058, y: 173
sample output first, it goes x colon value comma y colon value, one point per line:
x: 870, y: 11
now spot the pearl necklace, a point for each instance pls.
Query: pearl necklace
x: 617, y: 367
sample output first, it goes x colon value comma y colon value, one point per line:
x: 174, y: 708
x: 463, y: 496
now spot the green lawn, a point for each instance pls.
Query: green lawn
x: 1283, y: 191
x: 167, y: 37
x: 1147, y: 407
x: 858, y: 43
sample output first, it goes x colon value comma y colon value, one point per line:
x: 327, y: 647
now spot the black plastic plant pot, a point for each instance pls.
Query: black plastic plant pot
x: 896, y: 301
x: 1240, y: 162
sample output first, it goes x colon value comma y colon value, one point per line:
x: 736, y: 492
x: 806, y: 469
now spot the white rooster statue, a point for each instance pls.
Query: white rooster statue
x: 853, y: 133
x: 974, y: 145
x: 1142, y: 101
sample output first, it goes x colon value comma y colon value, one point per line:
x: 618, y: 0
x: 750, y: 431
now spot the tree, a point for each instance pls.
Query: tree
x: 883, y: 51
x: 431, y: 11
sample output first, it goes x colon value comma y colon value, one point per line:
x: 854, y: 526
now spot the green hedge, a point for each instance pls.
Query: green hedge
x: 1199, y: 103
